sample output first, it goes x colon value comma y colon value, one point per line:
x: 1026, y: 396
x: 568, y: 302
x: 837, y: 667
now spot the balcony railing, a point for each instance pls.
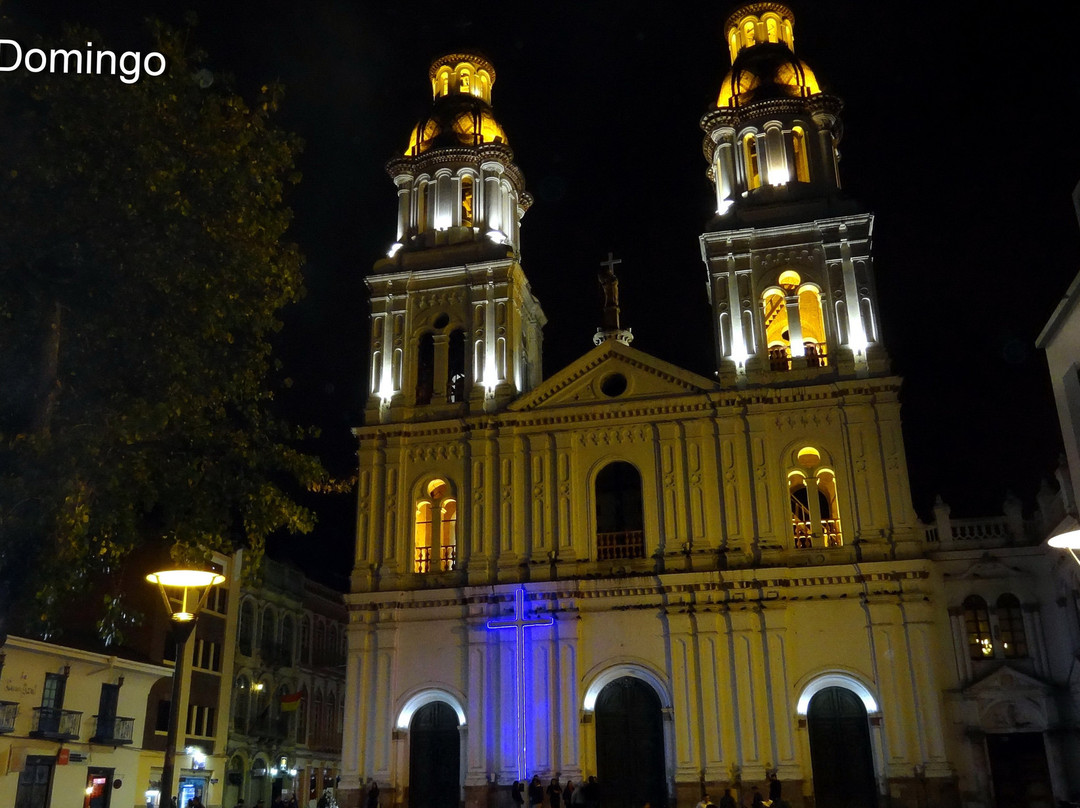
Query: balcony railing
x: 620, y: 544
x: 55, y: 724
x: 423, y: 558
x: 8, y: 711
x: 113, y: 730
x: 804, y: 533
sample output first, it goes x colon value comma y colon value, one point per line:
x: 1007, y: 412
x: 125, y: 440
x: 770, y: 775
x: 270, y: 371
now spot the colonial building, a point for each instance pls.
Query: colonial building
x: 74, y: 723
x: 674, y: 583
x: 288, y: 689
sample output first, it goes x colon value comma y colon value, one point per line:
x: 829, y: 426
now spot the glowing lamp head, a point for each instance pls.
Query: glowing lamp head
x: 1067, y: 537
x: 1066, y: 540
x: 187, y: 582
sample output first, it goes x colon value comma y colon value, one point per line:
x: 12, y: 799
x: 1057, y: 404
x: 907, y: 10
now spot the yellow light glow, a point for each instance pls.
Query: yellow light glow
x: 185, y: 578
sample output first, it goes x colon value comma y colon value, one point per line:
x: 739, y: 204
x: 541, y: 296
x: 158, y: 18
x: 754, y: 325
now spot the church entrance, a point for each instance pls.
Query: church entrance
x: 840, y: 750
x: 630, y: 745
x: 1020, y: 772
x: 434, y: 757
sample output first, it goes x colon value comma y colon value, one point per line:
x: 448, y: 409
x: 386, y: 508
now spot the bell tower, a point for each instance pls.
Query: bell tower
x: 455, y: 328
x: 788, y: 255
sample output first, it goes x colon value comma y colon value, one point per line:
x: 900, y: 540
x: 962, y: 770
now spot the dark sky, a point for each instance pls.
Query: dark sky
x: 960, y: 134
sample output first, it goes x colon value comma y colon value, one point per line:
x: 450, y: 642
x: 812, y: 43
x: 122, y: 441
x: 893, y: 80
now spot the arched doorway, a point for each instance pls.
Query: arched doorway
x: 630, y: 745
x: 434, y: 757
x: 840, y: 750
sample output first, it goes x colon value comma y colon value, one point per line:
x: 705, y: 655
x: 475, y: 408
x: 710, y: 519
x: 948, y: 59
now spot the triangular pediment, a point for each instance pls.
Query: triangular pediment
x: 1006, y: 680
x: 613, y: 372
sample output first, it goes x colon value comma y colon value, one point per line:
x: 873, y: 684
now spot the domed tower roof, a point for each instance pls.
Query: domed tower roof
x: 461, y: 114
x: 764, y: 67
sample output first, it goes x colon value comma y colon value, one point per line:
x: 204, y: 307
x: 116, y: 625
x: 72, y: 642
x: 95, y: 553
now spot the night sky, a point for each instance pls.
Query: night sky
x: 960, y: 134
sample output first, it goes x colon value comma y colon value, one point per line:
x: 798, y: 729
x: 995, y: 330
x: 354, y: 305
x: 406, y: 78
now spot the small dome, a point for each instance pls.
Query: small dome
x: 461, y: 113
x: 456, y: 121
x: 765, y: 72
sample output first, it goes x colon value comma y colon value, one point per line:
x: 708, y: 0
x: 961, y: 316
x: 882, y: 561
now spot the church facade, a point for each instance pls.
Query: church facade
x: 672, y: 583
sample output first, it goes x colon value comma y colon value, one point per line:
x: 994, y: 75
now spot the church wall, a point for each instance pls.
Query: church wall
x: 713, y: 482
x: 729, y: 653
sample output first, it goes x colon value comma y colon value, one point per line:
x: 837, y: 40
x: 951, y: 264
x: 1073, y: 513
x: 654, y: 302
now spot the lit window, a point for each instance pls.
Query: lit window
x: 467, y: 201
x: 977, y: 626
x: 812, y: 322
x: 798, y: 147
x: 1011, y: 627
x: 750, y: 161
x: 435, y: 530
x: 815, y: 510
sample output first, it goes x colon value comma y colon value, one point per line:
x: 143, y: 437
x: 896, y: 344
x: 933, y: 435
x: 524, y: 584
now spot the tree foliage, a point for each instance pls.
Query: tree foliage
x: 143, y: 264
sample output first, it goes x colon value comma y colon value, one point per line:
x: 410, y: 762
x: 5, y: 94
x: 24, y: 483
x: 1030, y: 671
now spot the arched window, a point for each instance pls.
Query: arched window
x: 777, y: 335
x: 435, y: 529
x: 751, y: 163
x: 425, y: 369
x: 772, y: 29
x: 467, y: 200
x: 331, y: 717
x: 812, y: 324
x: 267, y: 637
x: 1011, y: 627
x: 749, y: 28
x: 798, y: 148
x: 287, y: 641
x: 620, y: 520
x: 241, y: 706
x: 305, y: 641
x: 316, y: 728
x: 246, y: 630
x: 977, y: 625
x: 319, y: 652
x: 302, y: 717
x: 455, y: 366
x: 259, y: 717
x: 815, y: 512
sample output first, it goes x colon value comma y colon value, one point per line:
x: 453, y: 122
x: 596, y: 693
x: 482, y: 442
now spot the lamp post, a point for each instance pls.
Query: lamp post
x: 186, y: 585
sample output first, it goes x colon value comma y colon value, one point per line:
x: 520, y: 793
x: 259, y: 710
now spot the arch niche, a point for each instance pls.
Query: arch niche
x: 630, y: 748
x: 837, y: 710
x: 434, y: 724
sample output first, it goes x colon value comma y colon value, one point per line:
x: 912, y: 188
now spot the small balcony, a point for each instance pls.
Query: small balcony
x: 8, y: 711
x: 423, y: 560
x: 620, y: 544
x: 55, y: 724
x: 113, y: 730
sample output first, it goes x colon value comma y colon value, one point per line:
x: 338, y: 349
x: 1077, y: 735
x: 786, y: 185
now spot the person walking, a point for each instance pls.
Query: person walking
x: 516, y: 793
x: 567, y: 793
x: 554, y: 792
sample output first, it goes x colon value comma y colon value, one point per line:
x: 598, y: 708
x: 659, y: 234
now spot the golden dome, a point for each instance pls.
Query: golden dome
x: 764, y: 72
x: 461, y: 113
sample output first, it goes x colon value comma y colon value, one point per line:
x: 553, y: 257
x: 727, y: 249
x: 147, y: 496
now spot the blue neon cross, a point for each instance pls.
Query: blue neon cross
x: 519, y: 623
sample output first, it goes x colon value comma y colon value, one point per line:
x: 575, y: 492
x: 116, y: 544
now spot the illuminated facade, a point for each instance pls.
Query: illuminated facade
x: 674, y: 583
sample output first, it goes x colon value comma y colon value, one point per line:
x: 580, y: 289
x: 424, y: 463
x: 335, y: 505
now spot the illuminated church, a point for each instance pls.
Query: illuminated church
x: 674, y: 583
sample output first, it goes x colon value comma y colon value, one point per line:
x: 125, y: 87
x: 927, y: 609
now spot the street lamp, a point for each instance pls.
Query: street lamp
x: 186, y: 585
x: 1067, y: 537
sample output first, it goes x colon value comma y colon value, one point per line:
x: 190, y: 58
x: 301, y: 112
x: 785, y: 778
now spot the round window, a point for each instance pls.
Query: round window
x: 613, y: 385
